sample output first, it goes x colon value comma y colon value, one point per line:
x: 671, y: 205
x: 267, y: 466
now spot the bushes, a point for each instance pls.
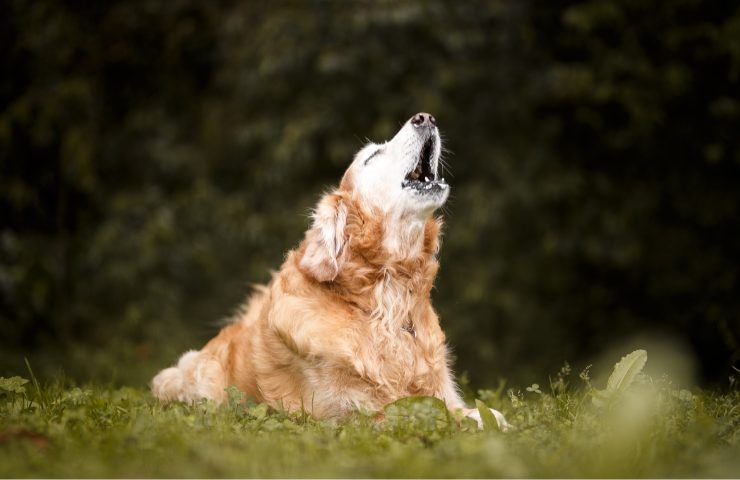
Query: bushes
x: 156, y: 159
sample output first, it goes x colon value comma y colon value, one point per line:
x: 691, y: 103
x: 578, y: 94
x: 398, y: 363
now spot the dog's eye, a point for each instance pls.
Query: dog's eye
x: 367, y: 160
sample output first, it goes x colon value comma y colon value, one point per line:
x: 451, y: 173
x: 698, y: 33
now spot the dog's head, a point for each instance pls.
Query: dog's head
x: 397, y: 182
x: 400, y: 177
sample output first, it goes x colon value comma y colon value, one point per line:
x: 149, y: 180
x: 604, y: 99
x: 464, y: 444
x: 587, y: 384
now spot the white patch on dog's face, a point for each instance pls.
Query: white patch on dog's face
x: 401, y: 176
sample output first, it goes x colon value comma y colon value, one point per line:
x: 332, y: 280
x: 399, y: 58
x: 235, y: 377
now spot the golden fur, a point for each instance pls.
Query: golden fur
x: 345, y: 324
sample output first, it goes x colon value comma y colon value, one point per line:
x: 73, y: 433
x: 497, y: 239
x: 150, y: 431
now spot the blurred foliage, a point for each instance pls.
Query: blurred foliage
x: 157, y: 157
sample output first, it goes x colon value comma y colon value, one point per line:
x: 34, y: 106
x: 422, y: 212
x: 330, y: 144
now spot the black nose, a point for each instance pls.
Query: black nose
x: 423, y: 120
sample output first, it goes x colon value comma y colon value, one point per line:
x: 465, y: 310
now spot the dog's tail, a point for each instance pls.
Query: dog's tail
x: 197, y: 375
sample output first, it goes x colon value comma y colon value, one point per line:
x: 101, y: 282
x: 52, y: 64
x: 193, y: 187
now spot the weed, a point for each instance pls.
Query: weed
x: 642, y: 427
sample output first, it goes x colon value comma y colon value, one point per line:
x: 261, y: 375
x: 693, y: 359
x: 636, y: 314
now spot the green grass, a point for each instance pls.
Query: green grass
x: 651, y: 429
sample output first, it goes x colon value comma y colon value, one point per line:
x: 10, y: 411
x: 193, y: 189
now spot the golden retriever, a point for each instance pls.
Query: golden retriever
x: 347, y: 322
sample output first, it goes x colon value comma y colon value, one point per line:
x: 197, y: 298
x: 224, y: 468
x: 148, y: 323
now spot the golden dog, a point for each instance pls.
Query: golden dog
x: 347, y: 322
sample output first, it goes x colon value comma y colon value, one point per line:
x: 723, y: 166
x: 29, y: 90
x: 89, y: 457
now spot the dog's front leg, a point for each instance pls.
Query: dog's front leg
x: 473, y: 413
x: 451, y: 396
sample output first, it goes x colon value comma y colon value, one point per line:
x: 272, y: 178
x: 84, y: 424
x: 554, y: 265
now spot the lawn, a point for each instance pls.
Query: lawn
x: 637, y: 426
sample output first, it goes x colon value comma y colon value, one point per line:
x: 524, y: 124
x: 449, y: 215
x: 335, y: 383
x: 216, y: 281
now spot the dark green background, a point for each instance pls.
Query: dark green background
x: 157, y: 157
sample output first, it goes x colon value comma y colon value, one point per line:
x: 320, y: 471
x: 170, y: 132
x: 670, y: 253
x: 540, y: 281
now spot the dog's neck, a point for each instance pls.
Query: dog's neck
x: 403, y: 236
x: 389, y: 266
x: 403, y: 294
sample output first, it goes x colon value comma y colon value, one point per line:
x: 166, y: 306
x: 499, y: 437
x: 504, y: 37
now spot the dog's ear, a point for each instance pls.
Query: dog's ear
x: 322, y: 257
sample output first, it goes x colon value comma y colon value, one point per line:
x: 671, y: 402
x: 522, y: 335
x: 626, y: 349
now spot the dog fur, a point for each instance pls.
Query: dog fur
x: 347, y: 322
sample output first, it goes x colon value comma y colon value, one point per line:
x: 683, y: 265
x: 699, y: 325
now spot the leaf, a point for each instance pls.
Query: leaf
x: 489, y: 421
x: 259, y: 411
x: 411, y: 406
x: 535, y: 388
x: 419, y: 414
x: 598, y: 397
x: 625, y: 371
x: 235, y: 396
x: 13, y: 384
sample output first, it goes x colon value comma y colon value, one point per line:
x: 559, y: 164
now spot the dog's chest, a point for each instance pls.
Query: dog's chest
x: 403, y: 357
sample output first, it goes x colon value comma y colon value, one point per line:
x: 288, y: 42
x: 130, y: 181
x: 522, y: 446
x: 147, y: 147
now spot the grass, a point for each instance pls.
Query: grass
x: 651, y: 429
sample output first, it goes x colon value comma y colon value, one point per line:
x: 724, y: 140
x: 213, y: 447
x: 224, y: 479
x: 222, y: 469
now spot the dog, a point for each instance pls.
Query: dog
x: 347, y: 323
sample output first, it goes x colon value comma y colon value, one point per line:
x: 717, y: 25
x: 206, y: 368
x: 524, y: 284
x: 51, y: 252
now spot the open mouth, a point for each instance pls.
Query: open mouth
x: 422, y: 177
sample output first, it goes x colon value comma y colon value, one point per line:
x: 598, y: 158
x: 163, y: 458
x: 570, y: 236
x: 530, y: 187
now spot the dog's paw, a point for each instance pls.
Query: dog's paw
x: 503, y: 425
